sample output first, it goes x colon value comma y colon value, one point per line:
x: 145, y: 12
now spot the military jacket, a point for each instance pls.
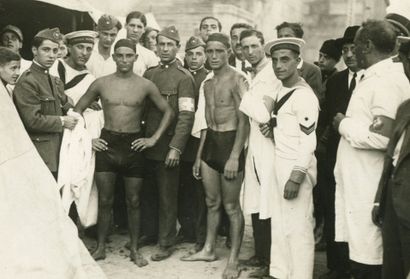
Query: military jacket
x: 176, y: 86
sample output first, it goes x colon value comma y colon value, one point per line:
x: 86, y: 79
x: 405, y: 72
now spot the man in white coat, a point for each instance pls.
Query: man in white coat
x: 259, y: 175
x: 295, y: 111
x: 365, y: 131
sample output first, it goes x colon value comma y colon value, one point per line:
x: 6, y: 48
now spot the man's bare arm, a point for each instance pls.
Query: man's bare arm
x: 242, y: 131
x: 90, y: 96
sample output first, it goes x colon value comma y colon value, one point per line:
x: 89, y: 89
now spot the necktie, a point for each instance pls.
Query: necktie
x: 353, y: 83
x: 243, y: 67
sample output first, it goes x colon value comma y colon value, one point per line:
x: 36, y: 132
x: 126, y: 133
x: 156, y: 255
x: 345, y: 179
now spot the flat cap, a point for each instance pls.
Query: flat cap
x: 14, y: 29
x: 50, y: 34
x: 170, y: 32
x: 82, y: 36
x: 108, y: 22
x: 194, y: 42
x: 291, y: 43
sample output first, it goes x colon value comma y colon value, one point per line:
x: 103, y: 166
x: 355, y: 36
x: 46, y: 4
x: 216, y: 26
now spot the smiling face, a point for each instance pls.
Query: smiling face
x: 217, y: 54
x: 10, y: 72
x: 79, y: 54
x: 252, y: 49
x: 46, y: 53
x: 284, y: 63
x: 124, y: 57
x: 107, y: 37
x: 135, y: 28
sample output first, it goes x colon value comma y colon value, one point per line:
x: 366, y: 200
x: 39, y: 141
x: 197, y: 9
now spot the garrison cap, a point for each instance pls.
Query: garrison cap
x: 14, y: 29
x: 50, y: 34
x: 290, y: 43
x: 108, y: 22
x: 82, y: 36
x: 194, y: 42
x: 170, y: 32
x: 219, y: 37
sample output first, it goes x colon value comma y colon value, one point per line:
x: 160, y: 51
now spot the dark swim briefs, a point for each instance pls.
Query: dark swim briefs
x: 217, y: 149
x: 119, y: 157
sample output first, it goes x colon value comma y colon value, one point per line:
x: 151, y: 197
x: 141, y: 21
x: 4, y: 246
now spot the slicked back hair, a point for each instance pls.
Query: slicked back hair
x: 239, y: 25
x: 296, y: 28
x: 252, y: 32
x: 138, y: 15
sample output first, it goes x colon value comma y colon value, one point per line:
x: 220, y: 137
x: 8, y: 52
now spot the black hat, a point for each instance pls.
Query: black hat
x: 348, y: 36
x: 330, y: 48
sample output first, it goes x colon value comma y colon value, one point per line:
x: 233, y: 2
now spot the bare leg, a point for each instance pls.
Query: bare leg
x: 211, y: 182
x: 106, y: 184
x: 132, y: 195
x: 230, y: 196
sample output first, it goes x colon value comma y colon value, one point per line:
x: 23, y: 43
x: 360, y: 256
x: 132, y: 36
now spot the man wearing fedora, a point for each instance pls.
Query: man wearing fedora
x: 339, y: 89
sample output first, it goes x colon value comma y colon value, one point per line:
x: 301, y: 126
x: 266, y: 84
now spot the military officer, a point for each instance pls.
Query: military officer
x: 40, y: 99
x: 191, y: 196
x: 176, y: 85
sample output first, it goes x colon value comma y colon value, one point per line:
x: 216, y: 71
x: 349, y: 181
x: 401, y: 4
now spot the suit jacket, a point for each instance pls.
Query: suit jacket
x: 312, y: 75
x: 398, y: 177
x: 40, y: 103
x: 337, y: 97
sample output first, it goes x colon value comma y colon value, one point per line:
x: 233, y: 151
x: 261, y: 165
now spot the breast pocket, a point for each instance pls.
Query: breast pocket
x: 48, y: 105
x: 172, y: 98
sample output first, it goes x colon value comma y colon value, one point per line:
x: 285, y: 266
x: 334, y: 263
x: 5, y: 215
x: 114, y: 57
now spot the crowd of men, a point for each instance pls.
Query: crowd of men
x: 185, y: 136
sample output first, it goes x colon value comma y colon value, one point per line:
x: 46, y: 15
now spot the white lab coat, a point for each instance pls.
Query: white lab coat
x: 292, y: 223
x: 360, y: 155
x: 259, y: 166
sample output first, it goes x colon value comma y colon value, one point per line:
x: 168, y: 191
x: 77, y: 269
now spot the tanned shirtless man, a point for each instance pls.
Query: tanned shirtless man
x: 220, y: 159
x: 119, y: 147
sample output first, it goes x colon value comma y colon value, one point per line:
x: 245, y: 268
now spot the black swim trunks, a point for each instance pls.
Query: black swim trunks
x: 217, y: 149
x: 119, y: 157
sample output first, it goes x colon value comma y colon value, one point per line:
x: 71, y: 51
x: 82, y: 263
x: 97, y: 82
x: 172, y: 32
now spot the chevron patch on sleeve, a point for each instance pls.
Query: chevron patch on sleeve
x: 307, y: 129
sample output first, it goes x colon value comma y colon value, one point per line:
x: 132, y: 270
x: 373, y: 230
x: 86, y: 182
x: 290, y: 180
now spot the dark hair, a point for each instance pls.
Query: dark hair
x: 7, y: 55
x: 380, y: 33
x: 252, y: 32
x: 37, y: 41
x: 239, y: 25
x: 145, y: 34
x: 137, y: 15
x: 211, y: 17
x: 296, y: 28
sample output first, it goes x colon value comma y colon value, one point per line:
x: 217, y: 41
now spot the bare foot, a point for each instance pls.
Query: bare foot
x: 99, y: 253
x: 231, y: 271
x: 200, y: 256
x: 138, y: 259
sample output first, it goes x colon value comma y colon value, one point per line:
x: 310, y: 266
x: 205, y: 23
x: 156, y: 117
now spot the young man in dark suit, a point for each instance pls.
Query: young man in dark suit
x: 339, y: 89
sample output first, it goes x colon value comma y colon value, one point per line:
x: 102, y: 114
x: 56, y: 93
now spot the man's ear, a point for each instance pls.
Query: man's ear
x: 34, y: 51
x: 229, y: 51
x: 368, y: 46
x: 298, y: 59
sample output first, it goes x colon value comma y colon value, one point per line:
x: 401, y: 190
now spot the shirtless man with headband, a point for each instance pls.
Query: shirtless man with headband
x: 220, y: 159
x: 119, y: 147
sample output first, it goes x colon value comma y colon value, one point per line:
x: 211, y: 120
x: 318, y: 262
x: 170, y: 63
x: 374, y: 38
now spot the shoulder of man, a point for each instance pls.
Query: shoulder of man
x: 149, y: 70
x: 185, y: 71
